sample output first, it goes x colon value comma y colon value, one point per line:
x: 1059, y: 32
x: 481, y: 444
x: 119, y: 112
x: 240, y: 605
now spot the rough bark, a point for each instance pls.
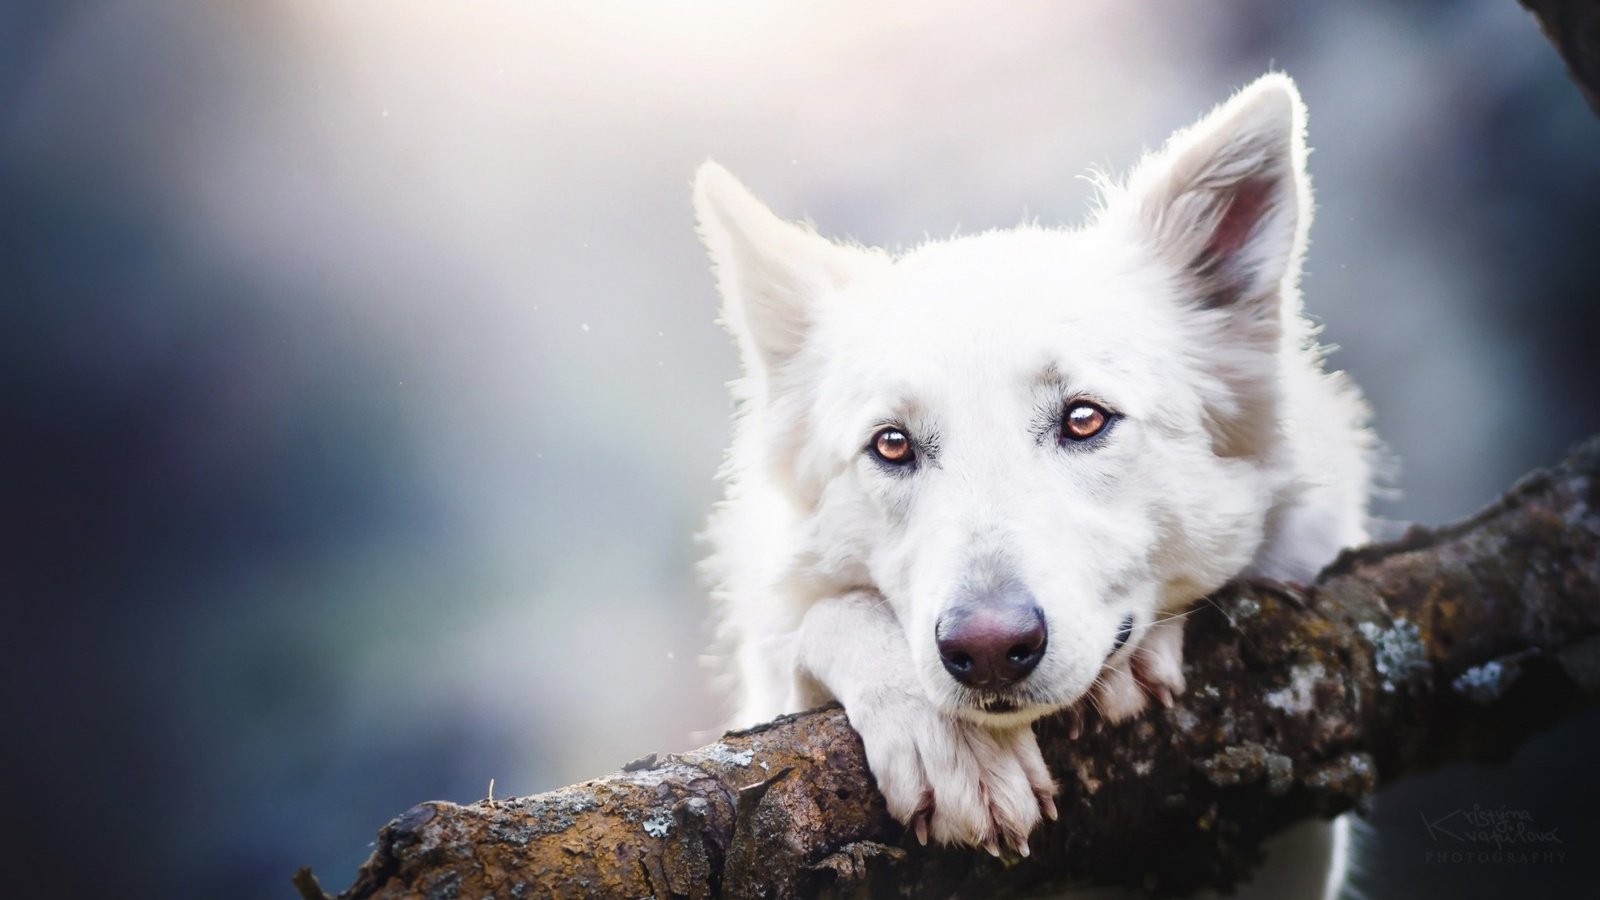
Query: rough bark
x: 1573, y: 26
x: 1453, y: 643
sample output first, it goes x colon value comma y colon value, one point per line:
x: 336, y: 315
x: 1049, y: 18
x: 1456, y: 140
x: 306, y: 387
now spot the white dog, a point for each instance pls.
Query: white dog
x: 977, y: 483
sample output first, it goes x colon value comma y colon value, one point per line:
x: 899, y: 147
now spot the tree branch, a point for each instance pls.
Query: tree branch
x: 1573, y: 26
x: 1453, y: 643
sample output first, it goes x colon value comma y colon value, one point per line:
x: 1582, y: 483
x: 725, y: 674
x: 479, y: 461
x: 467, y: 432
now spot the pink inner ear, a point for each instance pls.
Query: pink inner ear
x: 1245, y: 208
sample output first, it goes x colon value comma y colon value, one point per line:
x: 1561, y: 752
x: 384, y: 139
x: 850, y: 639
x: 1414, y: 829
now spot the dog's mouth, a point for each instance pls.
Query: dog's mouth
x: 1006, y: 707
x: 998, y: 705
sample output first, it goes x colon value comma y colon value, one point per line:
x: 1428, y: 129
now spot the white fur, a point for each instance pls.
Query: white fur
x: 1176, y: 306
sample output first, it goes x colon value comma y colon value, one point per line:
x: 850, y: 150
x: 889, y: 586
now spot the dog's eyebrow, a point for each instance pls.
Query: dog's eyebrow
x: 904, y: 410
x: 1050, y: 376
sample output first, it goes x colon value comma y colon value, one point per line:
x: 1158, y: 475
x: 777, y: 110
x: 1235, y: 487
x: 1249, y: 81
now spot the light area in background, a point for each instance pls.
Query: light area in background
x: 469, y: 224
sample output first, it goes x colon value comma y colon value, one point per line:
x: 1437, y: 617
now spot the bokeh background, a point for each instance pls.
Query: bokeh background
x: 363, y: 397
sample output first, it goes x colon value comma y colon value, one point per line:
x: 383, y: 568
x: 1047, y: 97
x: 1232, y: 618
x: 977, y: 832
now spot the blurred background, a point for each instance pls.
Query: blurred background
x: 363, y: 397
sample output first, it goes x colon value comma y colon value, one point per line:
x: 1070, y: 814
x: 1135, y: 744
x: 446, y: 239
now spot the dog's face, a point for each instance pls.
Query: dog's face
x: 1030, y: 443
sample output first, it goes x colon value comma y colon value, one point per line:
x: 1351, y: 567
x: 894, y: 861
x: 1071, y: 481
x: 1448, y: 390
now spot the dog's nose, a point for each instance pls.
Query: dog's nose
x: 991, y: 646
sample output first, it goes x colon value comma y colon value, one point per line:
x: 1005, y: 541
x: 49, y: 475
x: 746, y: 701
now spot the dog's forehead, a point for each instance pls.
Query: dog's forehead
x: 1003, y: 303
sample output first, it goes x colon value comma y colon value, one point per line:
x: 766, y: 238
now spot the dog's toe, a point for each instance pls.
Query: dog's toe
x: 1120, y: 696
x: 987, y: 787
x: 1158, y: 661
x: 1153, y: 669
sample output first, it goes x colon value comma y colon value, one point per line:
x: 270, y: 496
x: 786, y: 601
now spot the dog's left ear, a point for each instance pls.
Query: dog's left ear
x: 1228, y: 203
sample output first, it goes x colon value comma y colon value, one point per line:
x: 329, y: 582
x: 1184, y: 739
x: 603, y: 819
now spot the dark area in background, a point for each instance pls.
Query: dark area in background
x: 140, y: 505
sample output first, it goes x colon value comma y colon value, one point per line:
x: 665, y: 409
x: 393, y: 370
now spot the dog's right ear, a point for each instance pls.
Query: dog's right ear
x: 771, y: 273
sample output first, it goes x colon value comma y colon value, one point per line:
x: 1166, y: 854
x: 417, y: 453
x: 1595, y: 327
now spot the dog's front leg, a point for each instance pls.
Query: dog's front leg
x: 960, y: 782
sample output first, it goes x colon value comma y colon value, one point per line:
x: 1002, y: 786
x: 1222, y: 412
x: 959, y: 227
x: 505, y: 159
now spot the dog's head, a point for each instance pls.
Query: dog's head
x: 1030, y: 442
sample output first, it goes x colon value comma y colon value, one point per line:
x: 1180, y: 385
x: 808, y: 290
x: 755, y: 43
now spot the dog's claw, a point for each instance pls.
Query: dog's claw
x: 919, y: 824
x: 1164, y: 693
x: 1048, y: 804
x: 993, y: 848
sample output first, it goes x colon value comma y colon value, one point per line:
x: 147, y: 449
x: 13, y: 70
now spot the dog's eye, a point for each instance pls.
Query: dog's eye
x: 1083, y: 420
x: 892, y: 446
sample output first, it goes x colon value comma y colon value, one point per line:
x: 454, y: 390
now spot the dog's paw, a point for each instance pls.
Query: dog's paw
x: 1153, y: 669
x: 952, y: 780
